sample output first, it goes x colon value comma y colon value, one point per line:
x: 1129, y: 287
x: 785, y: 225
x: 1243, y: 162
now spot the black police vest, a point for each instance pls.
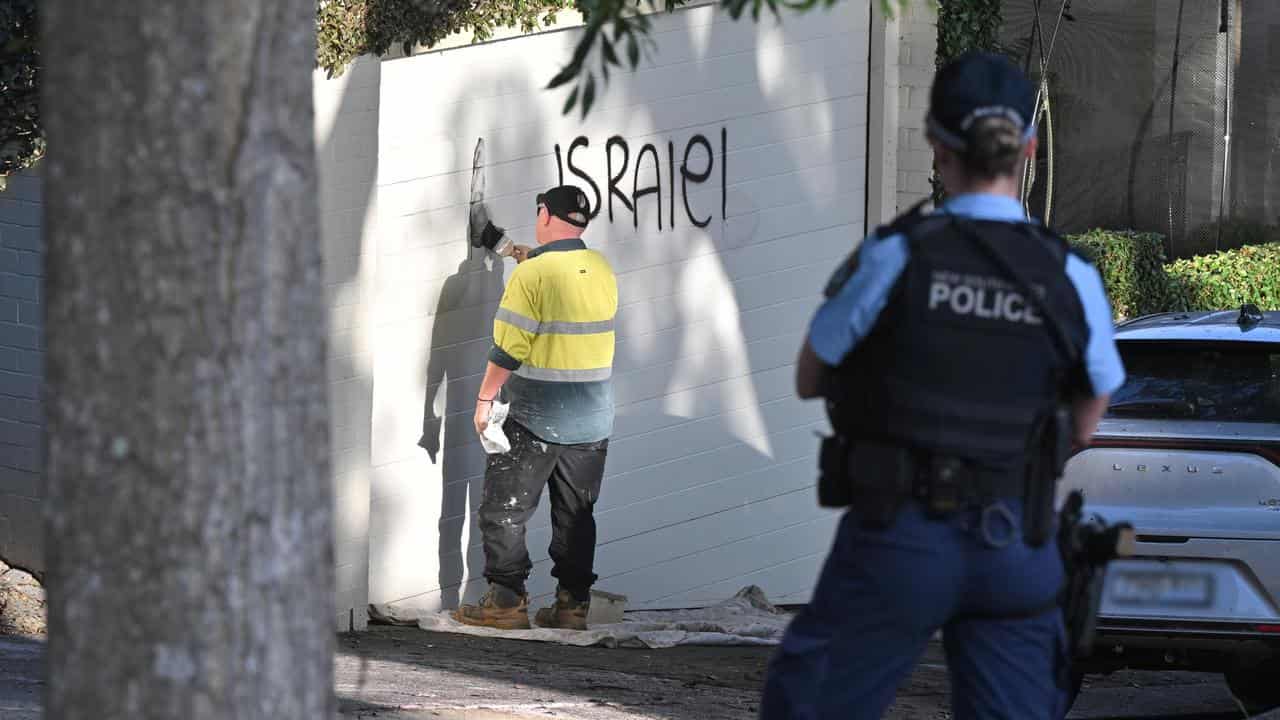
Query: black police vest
x: 959, y: 362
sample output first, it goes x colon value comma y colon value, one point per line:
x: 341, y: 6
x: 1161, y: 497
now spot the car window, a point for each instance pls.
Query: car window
x: 1227, y: 381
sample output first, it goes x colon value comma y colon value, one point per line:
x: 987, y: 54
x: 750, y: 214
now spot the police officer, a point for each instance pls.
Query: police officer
x: 953, y: 348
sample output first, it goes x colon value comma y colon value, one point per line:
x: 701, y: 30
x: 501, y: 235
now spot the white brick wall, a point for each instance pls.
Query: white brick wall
x: 21, y: 373
x: 346, y: 142
x: 918, y: 43
x: 902, y: 68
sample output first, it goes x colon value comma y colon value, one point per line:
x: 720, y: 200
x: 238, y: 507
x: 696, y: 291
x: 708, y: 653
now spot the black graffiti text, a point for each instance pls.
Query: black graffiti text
x: 632, y: 179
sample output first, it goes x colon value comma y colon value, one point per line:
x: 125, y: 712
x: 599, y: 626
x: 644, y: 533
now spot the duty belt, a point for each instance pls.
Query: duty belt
x: 880, y: 477
x: 950, y: 483
x: 946, y: 485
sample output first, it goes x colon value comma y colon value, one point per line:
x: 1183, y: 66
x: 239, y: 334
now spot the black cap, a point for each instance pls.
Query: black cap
x: 568, y: 203
x: 977, y: 85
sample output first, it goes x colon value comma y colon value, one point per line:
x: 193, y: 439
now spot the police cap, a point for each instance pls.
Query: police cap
x: 977, y: 85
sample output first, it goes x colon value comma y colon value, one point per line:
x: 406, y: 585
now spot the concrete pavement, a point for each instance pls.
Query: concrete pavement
x: 392, y: 673
x: 21, y: 678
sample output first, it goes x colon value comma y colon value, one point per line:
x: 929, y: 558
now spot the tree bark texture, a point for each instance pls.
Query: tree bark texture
x: 189, y: 522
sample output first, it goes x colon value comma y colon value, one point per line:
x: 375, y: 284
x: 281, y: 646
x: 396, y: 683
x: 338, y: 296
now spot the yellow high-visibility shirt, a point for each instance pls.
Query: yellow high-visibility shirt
x: 554, y: 330
x: 556, y: 317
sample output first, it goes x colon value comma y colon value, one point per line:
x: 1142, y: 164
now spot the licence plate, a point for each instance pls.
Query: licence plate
x: 1161, y: 588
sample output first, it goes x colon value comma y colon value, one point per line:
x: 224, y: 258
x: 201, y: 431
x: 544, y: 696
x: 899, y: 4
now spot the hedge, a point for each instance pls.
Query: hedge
x: 1139, y: 282
x: 1132, y: 268
x: 1226, y: 280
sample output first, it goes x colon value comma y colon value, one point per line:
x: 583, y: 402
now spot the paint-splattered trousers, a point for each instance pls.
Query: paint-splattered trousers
x: 513, y: 484
x: 882, y: 595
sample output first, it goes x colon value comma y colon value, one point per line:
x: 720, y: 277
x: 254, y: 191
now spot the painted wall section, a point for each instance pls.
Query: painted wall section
x: 21, y: 372
x: 917, y: 53
x: 903, y: 48
x: 729, y: 176
x: 347, y: 118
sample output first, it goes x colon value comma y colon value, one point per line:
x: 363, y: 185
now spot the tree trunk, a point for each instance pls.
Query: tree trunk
x: 190, y: 560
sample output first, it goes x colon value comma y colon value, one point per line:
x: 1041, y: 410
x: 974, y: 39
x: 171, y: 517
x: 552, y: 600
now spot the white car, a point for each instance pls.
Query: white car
x: 1189, y: 453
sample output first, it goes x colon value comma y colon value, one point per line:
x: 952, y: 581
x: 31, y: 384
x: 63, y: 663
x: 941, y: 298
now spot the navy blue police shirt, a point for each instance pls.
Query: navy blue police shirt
x: 844, y: 320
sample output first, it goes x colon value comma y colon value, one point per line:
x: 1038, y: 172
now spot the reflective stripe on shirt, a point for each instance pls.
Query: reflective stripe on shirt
x: 557, y: 375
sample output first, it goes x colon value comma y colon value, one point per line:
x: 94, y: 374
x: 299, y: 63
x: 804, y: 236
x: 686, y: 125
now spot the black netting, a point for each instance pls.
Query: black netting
x: 1140, y: 99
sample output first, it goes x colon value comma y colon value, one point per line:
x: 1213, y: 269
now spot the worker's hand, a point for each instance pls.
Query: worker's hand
x: 481, y: 419
x: 520, y: 253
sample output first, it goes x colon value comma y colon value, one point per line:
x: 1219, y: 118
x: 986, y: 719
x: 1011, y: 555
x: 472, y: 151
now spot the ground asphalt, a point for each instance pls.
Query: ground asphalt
x: 399, y: 673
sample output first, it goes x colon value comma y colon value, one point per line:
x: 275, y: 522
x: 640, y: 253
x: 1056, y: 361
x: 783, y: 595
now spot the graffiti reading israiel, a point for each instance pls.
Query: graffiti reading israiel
x: 632, y: 179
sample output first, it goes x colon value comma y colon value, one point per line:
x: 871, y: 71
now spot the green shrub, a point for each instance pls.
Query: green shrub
x: 1132, y: 268
x: 1138, y: 281
x: 1226, y: 280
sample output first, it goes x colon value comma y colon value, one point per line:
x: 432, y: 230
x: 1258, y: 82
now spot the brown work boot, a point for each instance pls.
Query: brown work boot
x: 566, y: 613
x: 500, y: 607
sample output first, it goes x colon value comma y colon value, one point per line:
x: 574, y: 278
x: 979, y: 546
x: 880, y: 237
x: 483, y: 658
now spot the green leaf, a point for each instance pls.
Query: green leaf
x: 607, y: 48
x: 588, y: 94
x: 568, y: 104
x: 633, y: 51
x: 568, y: 73
x: 586, y: 41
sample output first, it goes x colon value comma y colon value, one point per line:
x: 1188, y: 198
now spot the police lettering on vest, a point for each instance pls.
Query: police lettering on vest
x: 960, y: 362
x: 986, y: 297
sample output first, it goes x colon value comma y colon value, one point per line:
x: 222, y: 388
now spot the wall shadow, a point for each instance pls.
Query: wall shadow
x: 456, y: 498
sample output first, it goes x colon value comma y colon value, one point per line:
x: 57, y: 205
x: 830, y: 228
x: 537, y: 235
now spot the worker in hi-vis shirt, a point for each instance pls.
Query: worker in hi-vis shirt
x: 552, y: 361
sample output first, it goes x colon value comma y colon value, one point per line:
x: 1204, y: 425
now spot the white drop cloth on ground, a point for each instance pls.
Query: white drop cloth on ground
x: 745, y: 619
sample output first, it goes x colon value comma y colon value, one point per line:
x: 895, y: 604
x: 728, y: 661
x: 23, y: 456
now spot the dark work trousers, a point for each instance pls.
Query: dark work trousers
x: 513, y: 482
x: 881, y: 596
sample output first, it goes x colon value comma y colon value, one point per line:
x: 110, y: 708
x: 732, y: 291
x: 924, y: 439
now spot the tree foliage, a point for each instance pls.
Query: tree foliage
x: 965, y: 25
x: 21, y: 135
x: 347, y: 29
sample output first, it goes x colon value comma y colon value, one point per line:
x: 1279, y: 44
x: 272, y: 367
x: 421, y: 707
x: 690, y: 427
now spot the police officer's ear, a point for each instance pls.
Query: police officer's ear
x: 944, y: 158
x: 1029, y: 151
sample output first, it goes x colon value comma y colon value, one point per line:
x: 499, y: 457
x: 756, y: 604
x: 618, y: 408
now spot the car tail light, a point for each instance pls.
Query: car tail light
x: 1266, y: 451
x: 1269, y: 629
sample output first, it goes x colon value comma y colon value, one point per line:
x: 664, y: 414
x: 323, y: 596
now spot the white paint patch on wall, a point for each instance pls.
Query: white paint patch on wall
x: 753, y: 139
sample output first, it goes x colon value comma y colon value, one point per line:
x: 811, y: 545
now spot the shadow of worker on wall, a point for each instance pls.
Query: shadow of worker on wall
x: 477, y: 282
